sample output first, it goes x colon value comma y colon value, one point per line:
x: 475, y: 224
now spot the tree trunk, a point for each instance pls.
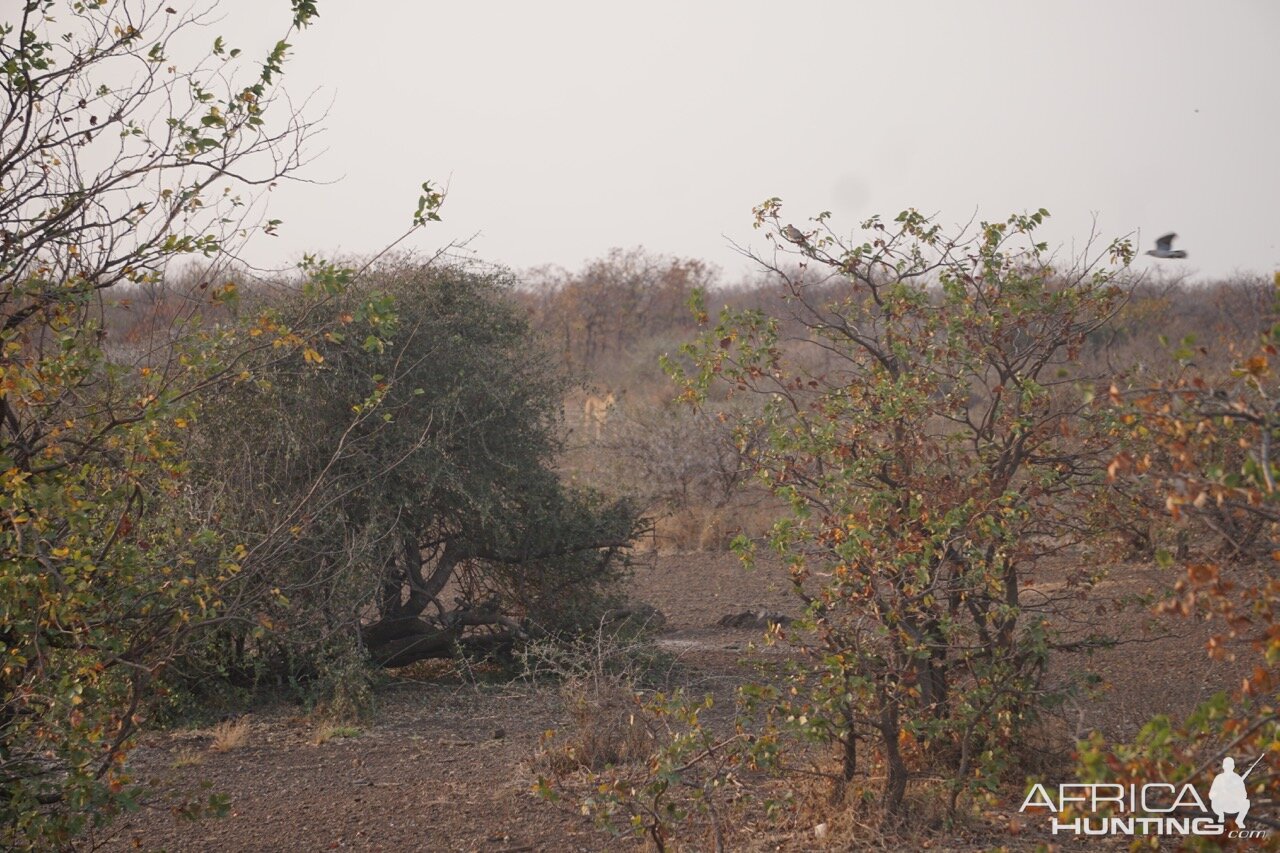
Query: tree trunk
x: 850, y: 745
x: 895, y: 783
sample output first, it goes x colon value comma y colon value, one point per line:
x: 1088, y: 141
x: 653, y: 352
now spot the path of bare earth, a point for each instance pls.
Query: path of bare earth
x: 447, y: 765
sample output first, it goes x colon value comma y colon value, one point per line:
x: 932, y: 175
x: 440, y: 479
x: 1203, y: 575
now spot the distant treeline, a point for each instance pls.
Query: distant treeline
x: 608, y: 321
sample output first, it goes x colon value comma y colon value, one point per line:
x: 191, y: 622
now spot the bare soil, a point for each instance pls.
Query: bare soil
x: 448, y: 763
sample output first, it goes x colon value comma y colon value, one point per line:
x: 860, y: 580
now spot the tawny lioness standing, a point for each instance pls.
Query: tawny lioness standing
x: 595, y: 412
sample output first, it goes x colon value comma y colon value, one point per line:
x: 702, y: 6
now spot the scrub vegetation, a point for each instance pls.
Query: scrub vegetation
x: 845, y: 555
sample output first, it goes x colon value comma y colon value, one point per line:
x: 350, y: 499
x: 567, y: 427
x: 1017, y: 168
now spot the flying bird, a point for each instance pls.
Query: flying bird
x: 1164, y: 248
x: 794, y: 234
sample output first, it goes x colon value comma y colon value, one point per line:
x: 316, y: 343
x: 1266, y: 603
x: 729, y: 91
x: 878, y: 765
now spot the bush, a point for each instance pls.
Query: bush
x: 112, y: 170
x: 690, y: 471
x: 600, y: 676
x: 651, y: 761
x: 1211, y: 437
x: 410, y: 462
x: 934, y: 436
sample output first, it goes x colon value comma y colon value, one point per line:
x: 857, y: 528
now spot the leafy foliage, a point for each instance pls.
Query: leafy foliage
x: 1207, y: 451
x: 935, y: 439
x: 690, y: 774
x: 408, y: 454
x: 105, y: 183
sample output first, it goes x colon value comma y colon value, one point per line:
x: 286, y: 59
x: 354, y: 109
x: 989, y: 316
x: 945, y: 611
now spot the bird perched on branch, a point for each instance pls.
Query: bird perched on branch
x: 795, y: 235
x: 1164, y: 248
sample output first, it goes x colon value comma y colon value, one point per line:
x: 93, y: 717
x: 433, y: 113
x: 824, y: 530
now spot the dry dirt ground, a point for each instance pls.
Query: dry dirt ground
x: 448, y: 763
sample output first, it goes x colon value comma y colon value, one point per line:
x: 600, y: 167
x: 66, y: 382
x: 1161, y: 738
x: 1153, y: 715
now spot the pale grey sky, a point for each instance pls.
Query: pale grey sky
x: 566, y: 128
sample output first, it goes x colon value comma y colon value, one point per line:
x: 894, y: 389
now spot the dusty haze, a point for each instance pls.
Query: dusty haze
x: 565, y: 128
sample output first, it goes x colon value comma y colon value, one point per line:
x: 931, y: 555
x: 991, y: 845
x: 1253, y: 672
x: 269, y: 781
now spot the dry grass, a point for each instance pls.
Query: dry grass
x: 826, y: 815
x: 600, y: 678
x: 704, y: 528
x: 230, y: 735
x: 336, y: 731
x: 187, y: 758
x: 606, y: 729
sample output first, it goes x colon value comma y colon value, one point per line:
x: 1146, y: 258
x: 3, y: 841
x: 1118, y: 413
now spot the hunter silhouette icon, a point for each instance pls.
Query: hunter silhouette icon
x: 1228, y: 795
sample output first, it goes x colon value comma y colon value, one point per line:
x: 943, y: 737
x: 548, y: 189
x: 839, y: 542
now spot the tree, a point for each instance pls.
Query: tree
x: 614, y: 304
x: 411, y: 461
x: 1207, y: 454
x: 935, y: 438
x: 116, y: 158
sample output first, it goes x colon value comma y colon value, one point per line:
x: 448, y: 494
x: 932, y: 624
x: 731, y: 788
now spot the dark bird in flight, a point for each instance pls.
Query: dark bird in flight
x: 1164, y: 248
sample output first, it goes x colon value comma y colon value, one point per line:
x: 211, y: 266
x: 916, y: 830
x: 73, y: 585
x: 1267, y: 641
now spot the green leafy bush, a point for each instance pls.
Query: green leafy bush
x: 929, y: 425
x: 112, y: 170
x: 409, y: 459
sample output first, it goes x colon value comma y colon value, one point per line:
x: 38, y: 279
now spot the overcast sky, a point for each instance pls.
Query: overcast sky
x: 567, y: 128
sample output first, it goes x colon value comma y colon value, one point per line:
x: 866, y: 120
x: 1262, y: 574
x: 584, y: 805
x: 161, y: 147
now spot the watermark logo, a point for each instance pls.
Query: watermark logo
x: 1155, y: 808
x: 1228, y: 795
